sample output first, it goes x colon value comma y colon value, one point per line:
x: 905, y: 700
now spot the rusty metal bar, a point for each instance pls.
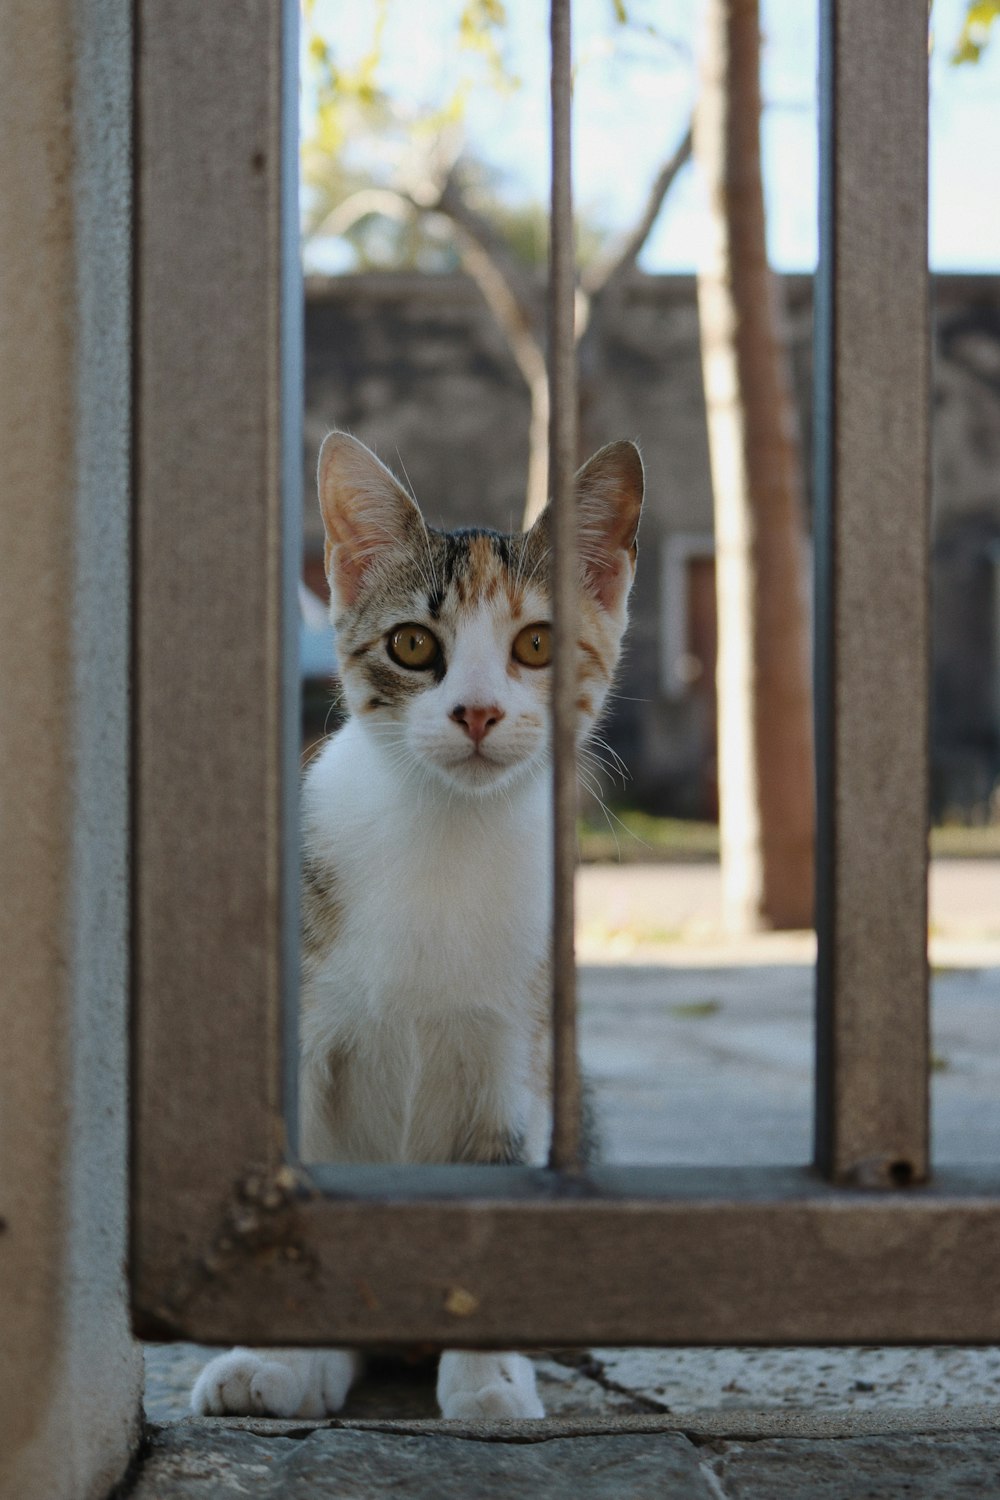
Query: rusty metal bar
x: 656, y: 1256
x: 217, y: 457
x: 566, y: 1133
x: 872, y: 519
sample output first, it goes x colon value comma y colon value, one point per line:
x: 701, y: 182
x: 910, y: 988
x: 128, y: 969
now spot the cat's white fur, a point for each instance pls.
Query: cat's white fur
x: 430, y: 983
x: 441, y: 854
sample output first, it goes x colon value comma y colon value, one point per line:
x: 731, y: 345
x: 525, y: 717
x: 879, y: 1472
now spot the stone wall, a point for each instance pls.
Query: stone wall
x: 415, y: 366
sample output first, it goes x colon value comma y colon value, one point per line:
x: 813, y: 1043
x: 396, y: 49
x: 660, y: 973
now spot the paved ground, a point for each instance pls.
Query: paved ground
x: 700, y: 1050
x: 701, y: 1047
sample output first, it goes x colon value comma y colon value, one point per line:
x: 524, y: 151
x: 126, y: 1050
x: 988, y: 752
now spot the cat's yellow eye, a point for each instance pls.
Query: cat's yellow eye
x: 533, y: 646
x: 413, y: 646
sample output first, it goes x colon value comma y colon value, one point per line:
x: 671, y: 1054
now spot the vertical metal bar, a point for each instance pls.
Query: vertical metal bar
x: 872, y: 484
x: 290, y: 394
x: 216, y: 463
x: 566, y: 1152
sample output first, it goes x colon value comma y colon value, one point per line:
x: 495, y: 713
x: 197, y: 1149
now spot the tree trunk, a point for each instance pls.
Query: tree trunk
x: 537, y: 494
x: 765, y: 716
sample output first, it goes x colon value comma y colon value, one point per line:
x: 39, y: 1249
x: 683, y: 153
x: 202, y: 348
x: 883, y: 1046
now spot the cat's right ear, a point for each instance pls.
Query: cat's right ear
x: 365, y: 511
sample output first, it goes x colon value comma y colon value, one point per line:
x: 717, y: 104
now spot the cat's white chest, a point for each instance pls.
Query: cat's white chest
x: 444, y: 902
x: 428, y: 997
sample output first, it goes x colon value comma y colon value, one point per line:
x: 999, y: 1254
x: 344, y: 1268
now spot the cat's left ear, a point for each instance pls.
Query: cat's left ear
x: 609, y: 491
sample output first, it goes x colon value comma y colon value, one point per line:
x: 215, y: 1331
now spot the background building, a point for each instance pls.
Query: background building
x: 415, y: 366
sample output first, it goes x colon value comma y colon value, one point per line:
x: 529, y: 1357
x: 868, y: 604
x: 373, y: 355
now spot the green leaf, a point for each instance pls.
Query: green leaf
x: 696, y: 1010
x: 974, y: 36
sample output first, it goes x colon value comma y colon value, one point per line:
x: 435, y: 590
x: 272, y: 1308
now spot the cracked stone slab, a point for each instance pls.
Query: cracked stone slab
x: 196, y: 1460
x: 863, y: 1468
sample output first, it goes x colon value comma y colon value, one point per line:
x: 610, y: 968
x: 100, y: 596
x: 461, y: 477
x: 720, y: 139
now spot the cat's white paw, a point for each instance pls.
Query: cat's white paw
x: 293, y: 1383
x: 244, y: 1383
x: 492, y: 1403
x: 487, y: 1387
x: 337, y: 1370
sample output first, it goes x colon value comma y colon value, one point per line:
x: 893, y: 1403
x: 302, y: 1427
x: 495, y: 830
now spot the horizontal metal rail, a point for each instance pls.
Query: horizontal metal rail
x: 641, y: 1256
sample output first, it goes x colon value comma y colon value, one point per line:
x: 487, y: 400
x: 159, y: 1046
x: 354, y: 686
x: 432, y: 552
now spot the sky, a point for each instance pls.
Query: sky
x: 632, y: 99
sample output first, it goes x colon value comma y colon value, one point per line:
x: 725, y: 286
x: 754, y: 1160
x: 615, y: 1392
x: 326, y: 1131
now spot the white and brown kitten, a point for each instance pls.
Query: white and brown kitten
x: 426, y: 874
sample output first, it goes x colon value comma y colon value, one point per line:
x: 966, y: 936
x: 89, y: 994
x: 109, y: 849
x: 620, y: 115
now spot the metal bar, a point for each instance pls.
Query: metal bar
x: 872, y: 516
x: 763, y: 1256
x: 566, y: 1127
x: 289, y: 335
x: 216, y: 459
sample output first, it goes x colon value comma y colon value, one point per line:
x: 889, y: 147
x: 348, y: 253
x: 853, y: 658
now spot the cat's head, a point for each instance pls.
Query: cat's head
x: 444, y: 638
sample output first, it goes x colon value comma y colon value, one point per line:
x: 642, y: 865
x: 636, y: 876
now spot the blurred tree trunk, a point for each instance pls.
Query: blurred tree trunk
x: 765, y: 713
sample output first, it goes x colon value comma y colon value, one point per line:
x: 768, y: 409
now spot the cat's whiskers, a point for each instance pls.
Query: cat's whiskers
x: 613, y: 816
x: 589, y: 784
x: 433, y: 581
x: 542, y: 559
x: 522, y: 557
x: 430, y: 579
x: 603, y: 764
x: 409, y: 486
x: 375, y: 547
x: 391, y: 738
x: 615, y: 759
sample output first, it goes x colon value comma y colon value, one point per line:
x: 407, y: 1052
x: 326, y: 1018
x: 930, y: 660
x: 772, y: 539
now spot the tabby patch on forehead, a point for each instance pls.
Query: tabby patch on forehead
x: 489, y: 574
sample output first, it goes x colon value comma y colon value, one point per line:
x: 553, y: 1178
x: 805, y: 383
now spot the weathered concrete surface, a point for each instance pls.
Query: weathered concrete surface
x: 740, y: 1390
x: 713, y: 1064
x: 399, y: 1391
x: 701, y: 1049
x: 851, y: 1382
x: 70, y: 1375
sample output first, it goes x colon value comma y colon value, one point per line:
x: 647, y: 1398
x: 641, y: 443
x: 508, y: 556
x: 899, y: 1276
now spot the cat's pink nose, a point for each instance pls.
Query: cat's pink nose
x: 477, y: 722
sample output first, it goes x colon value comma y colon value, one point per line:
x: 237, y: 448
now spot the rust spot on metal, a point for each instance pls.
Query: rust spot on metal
x: 881, y: 1172
x: 260, y: 1224
x: 460, y: 1303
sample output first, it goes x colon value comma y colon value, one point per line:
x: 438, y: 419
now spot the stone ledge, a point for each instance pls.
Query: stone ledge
x: 200, y: 1460
x: 643, y: 1458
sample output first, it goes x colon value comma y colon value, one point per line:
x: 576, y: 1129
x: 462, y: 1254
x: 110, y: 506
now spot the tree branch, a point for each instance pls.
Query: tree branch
x: 504, y: 289
x: 621, y: 260
x: 507, y: 293
x: 492, y: 266
x: 386, y: 201
x: 484, y: 256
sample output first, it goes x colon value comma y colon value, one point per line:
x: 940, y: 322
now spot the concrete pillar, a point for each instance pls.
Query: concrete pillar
x: 70, y: 1375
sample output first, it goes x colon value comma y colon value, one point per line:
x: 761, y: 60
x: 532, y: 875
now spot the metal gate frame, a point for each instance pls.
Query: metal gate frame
x: 232, y: 1238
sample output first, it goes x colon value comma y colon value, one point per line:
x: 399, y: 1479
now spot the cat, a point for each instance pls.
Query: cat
x: 426, y: 864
